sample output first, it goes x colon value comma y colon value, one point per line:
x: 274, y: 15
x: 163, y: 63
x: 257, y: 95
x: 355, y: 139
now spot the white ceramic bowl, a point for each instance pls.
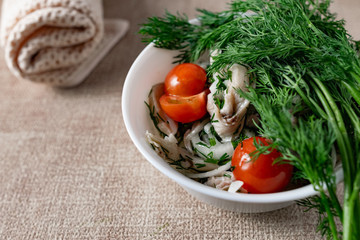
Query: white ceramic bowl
x: 151, y: 67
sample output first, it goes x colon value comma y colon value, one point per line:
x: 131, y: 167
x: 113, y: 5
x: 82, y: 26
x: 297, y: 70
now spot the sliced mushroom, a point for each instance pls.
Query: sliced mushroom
x: 204, y: 148
x: 221, y: 181
x: 225, y: 181
x: 230, y: 118
x: 168, y: 149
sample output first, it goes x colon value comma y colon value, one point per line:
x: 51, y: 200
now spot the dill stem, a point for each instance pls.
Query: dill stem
x: 338, y: 124
x: 343, y: 143
x: 348, y: 215
x: 335, y: 201
x: 330, y: 215
x: 355, y: 93
x: 339, y: 136
x: 354, y: 119
x: 356, y: 75
x: 356, y: 225
x: 355, y: 199
x: 348, y: 209
x: 311, y: 104
x: 356, y: 67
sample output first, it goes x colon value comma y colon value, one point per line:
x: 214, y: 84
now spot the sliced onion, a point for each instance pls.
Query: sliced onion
x: 169, y: 143
x: 210, y: 173
x: 166, y: 124
x: 190, y: 134
x: 235, y: 186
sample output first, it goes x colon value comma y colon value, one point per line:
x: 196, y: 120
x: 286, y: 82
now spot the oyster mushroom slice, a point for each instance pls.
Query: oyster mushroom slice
x: 162, y: 122
x: 192, y: 141
x: 230, y: 118
x: 221, y: 181
x: 168, y: 149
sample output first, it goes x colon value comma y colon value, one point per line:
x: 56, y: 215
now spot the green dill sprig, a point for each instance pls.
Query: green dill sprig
x: 212, y: 119
x: 175, y: 32
x: 172, y: 32
x: 227, y: 175
x: 209, y: 158
x: 317, y: 203
x: 221, y: 87
x: 238, y: 140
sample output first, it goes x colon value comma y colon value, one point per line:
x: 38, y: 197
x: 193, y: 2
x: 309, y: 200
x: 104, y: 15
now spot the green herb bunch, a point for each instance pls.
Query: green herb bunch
x: 307, y: 89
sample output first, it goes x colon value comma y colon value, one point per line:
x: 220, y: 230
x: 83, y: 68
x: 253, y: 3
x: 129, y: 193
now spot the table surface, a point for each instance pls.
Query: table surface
x: 68, y: 168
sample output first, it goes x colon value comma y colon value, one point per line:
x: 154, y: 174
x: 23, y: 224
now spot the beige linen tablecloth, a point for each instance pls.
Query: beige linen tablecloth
x: 68, y: 169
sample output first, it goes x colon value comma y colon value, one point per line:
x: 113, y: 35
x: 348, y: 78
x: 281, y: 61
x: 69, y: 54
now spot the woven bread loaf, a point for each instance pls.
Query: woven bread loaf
x: 45, y: 40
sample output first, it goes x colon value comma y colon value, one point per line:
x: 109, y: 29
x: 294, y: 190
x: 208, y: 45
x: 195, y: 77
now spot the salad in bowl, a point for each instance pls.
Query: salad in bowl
x: 207, y: 131
x: 253, y: 111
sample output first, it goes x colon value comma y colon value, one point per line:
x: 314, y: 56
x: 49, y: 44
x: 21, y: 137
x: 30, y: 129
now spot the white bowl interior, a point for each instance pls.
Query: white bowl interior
x: 151, y: 67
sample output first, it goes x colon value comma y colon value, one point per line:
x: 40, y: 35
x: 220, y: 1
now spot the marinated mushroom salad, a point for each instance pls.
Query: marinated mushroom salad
x: 206, y: 130
x: 281, y: 98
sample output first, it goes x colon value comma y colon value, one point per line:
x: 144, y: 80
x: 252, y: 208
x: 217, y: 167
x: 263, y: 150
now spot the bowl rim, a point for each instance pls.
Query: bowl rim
x: 184, y: 181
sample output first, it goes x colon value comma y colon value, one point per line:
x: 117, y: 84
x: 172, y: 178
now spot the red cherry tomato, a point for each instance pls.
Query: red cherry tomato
x: 185, y: 80
x: 184, y: 109
x: 260, y: 175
